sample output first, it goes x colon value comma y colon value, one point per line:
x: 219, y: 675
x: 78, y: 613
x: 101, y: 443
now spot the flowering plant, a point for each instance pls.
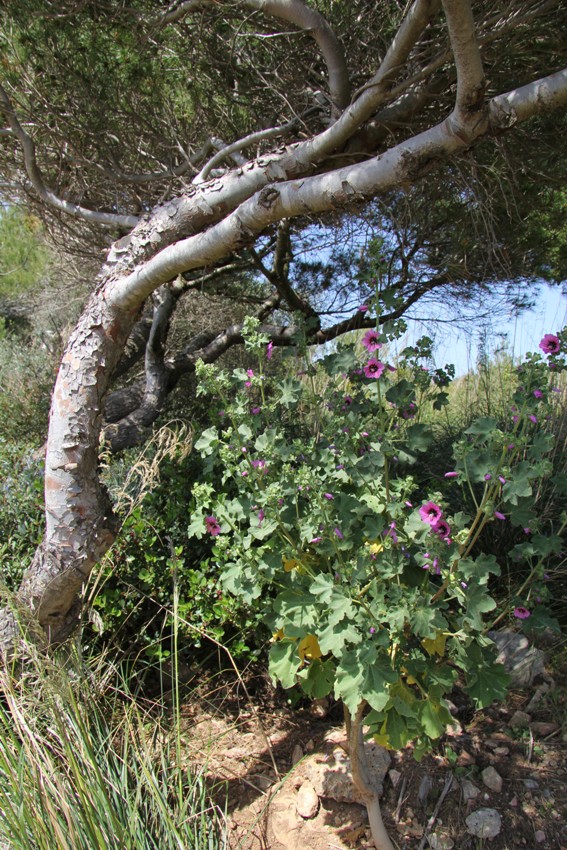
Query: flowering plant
x: 374, y: 588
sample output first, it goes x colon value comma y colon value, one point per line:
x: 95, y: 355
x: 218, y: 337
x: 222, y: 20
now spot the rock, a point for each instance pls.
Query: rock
x: 465, y: 759
x: 319, y: 708
x: 543, y: 729
x: 307, y: 804
x: 531, y: 784
x: 520, y: 720
x: 539, y: 836
x: 469, y: 789
x: 296, y: 755
x: 538, y: 697
x: 492, y: 779
x: 425, y: 789
x: 332, y: 777
x: 394, y: 776
x: 484, y: 823
x: 514, y: 802
x: 310, y: 745
x: 522, y: 662
x: 439, y: 841
x: 501, y: 751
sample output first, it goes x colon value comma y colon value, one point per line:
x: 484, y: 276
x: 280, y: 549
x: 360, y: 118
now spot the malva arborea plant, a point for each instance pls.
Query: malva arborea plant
x: 374, y: 588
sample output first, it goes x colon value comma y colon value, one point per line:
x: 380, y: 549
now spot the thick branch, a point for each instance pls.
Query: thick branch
x: 38, y: 183
x: 471, y: 83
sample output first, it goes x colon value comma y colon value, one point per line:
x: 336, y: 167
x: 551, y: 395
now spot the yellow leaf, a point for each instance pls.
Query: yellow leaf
x: 278, y: 635
x: 290, y: 564
x: 435, y: 646
x: 309, y: 648
x: 375, y: 548
x: 382, y: 740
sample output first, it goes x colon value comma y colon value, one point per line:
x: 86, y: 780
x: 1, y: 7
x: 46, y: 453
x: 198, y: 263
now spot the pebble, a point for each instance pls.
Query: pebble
x: 514, y: 802
x: 539, y: 836
x: 297, y: 754
x: 531, y: 784
x: 465, y: 759
x: 469, y: 789
x: 520, y: 720
x: 543, y: 729
x: 425, y: 789
x: 307, y: 804
x: 492, y: 779
x: 502, y: 751
x: 395, y: 777
x: 438, y: 841
x: 484, y: 823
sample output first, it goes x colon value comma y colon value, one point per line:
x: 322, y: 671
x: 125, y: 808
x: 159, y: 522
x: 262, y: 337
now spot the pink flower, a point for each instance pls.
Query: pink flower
x: 212, y: 526
x: 371, y: 341
x: 339, y: 533
x: 451, y: 475
x: 269, y: 350
x: 328, y: 496
x: 374, y: 368
x: 255, y: 410
x: 261, y: 516
x: 442, y: 528
x: 363, y: 308
x: 498, y: 515
x: 431, y: 513
x: 538, y: 394
x: 550, y: 344
x: 533, y: 418
x: 520, y: 612
x: 316, y: 540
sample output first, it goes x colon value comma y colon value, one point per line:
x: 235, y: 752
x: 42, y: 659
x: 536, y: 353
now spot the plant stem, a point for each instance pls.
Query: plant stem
x: 361, y: 779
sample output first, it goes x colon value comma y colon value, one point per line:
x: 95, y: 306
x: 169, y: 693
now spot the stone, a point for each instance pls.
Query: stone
x: 296, y: 755
x: 544, y: 729
x: 465, y: 759
x: 439, y: 841
x: 539, y: 836
x: 538, y: 697
x: 531, y: 784
x: 520, y: 720
x: 522, y: 662
x: 307, y: 804
x: 469, y: 789
x: 425, y: 789
x: 394, y: 776
x: 492, y: 779
x: 514, y: 802
x: 484, y: 823
x: 502, y: 751
x: 332, y: 777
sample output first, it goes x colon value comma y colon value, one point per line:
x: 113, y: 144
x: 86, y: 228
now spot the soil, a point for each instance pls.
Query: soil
x: 255, y: 747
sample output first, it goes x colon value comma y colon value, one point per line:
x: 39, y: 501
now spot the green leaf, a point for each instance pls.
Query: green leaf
x: 333, y: 638
x: 351, y: 675
x: 482, y: 427
x: 478, y: 602
x: 284, y: 662
x: 375, y: 687
x: 290, y: 392
x: 207, y: 442
x: 318, y: 679
x: 435, y: 717
x: 298, y: 611
x: 426, y: 621
x: 419, y: 437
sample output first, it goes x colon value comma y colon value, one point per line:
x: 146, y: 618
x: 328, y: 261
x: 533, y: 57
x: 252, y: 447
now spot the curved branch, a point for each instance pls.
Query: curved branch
x: 37, y: 181
x: 471, y: 82
x: 297, y: 13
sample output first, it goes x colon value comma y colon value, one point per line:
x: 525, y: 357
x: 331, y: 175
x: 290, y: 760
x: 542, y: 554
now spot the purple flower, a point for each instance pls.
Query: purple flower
x: 550, y: 344
x: 520, y: 612
x: 451, y: 475
x: 261, y: 516
x: 316, y: 540
x: 498, y: 515
x: 269, y: 350
x: 374, y: 368
x: 527, y: 530
x: 212, y: 526
x: 347, y: 401
x: 442, y: 528
x: 255, y: 410
x: 339, y: 533
x: 510, y: 447
x: 431, y: 513
x: 363, y: 308
x: 538, y: 394
x: 502, y: 479
x: 328, y: 496
x: 372, y: 630
x: 488, y: 477
x: 532, y: 418
x: 259, y: 464
x: 371, y: 341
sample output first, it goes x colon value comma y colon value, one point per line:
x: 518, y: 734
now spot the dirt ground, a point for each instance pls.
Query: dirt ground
x: 257, y: 748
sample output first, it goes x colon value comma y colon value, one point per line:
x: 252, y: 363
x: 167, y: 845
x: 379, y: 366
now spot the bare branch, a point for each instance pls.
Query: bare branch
x: 251, y: 139
x: 37, y: 181
x: 297, y: 13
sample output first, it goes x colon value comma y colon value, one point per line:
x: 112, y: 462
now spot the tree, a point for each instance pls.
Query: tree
x: 106, y: 145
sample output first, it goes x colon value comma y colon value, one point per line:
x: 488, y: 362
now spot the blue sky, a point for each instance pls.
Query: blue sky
x: 459, y: 344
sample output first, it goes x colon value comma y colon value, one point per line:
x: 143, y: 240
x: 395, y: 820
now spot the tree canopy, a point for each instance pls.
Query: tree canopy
x: 294, y: 153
